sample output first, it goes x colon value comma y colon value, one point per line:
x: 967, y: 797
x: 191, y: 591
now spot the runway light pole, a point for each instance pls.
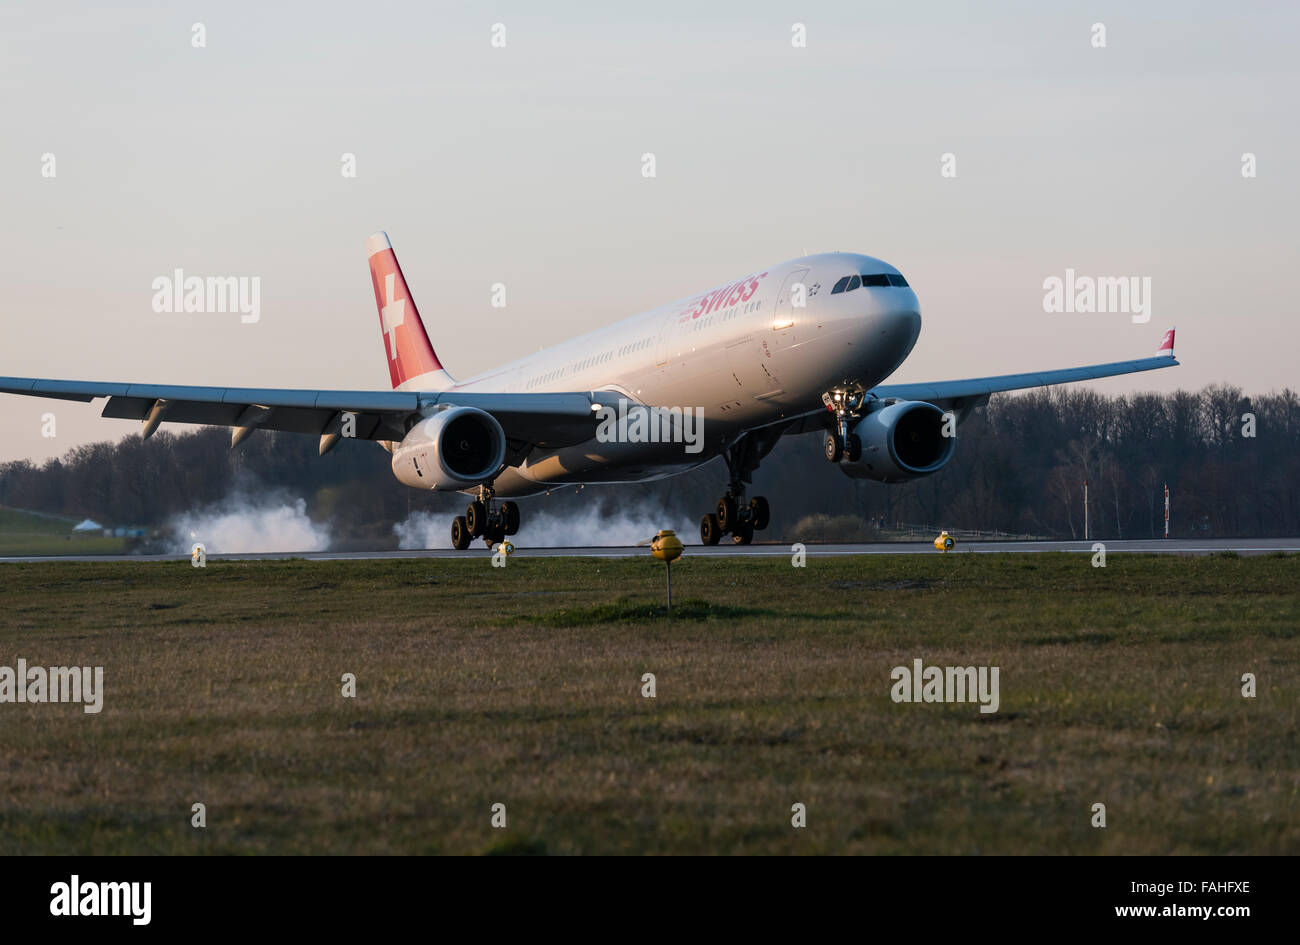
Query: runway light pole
x: 667, y: 547
x: 1166, y: 510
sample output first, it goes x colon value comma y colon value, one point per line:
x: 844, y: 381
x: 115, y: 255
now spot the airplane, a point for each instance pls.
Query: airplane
x: 802, y: 346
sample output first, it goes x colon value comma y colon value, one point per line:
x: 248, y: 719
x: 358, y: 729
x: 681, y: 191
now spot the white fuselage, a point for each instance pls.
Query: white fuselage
x: 746, y: 354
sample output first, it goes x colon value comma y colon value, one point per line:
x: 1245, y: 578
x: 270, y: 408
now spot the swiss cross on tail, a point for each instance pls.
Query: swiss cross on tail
x: 410, y: 355
x: 391, y: 314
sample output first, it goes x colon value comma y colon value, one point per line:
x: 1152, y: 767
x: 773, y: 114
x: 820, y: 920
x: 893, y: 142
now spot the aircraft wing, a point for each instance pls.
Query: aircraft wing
x: 946, y: 393
x: 543, y: 419
x: 973, y: 391
x: 965, y: 395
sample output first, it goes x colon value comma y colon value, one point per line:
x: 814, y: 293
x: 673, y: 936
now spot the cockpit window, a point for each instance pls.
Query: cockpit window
x: 884, y: 279
x: 871, y: 280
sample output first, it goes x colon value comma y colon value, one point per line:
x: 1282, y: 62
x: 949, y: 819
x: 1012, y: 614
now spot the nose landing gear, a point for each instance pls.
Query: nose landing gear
x: 485, y: 519
x: 841, y: 445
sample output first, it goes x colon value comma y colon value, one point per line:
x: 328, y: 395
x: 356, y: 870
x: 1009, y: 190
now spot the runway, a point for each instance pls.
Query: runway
x: 1243, y: 546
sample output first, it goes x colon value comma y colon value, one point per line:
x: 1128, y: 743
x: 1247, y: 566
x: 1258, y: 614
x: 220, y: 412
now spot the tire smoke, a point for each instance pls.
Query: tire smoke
x: 243, y: 524
x: 589, y: 526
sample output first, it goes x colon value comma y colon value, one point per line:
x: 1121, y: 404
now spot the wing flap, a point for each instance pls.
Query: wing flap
x: 307, y: 420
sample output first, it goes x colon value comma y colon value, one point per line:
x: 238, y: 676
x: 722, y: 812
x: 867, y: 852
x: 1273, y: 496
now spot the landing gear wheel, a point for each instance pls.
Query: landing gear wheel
x: 476, y: 518
x: 460, y: 536
x: 834, y: 447
x: 853, y: 449
x: 738, y: 515
x: 727, y: 519
x: 493, y: 537
x: 510, y: 515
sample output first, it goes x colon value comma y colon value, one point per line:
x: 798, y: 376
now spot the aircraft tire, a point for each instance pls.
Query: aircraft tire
x: 460, y: 536
x: 476, y: 518
x: 727, y: 519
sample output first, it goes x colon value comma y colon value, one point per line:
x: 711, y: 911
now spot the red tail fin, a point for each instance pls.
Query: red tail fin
x: 410, y: 355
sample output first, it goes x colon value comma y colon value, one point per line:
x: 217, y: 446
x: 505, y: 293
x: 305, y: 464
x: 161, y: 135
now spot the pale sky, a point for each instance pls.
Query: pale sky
x: 522, y: 165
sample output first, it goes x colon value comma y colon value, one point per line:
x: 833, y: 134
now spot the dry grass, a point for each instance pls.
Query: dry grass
x: 521, y: 685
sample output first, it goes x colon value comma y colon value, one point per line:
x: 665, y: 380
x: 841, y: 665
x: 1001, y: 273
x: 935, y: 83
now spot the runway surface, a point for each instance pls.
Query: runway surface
x: 1244, y: 546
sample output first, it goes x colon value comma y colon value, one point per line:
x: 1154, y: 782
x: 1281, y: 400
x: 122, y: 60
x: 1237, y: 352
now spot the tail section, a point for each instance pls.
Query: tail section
x: 412, y: 363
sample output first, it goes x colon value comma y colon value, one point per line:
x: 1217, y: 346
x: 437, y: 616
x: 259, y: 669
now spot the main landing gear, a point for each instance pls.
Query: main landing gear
x: 485, y: 519
x: 733, y: 515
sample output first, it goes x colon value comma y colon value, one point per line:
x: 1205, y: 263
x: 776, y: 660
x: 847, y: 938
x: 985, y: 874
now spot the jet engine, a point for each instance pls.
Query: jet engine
x: 902, y: 440
x: 454, y: 449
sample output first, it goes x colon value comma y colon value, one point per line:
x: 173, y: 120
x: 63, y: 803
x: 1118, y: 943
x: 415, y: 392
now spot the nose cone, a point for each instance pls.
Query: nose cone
x: 899, y: 327
x: 908, y: 319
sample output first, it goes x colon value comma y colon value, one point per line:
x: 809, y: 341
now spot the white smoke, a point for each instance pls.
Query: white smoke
x: 588, y: 526
x: 246, y: 525
x: 424, y: 530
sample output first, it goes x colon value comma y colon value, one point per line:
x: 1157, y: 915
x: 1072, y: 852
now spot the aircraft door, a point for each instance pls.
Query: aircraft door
x: 663, y: 342
x: 783, y: 313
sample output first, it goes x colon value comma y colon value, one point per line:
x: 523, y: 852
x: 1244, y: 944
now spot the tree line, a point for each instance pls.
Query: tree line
x: 1231, y: 462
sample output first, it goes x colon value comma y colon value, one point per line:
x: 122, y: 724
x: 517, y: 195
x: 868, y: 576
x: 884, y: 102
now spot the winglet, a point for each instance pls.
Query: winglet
x: 1167, y: 346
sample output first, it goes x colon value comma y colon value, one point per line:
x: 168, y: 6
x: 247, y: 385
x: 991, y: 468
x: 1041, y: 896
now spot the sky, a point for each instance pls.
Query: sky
x: 522, y: 164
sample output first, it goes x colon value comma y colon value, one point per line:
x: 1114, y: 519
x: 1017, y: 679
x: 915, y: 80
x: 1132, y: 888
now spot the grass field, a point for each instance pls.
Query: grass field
x: 522, y: 685
x: 25, y: 533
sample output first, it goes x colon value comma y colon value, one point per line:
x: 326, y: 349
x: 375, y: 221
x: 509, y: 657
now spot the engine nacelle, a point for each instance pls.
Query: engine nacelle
x: 901, y: 441
x: 454, y: 449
